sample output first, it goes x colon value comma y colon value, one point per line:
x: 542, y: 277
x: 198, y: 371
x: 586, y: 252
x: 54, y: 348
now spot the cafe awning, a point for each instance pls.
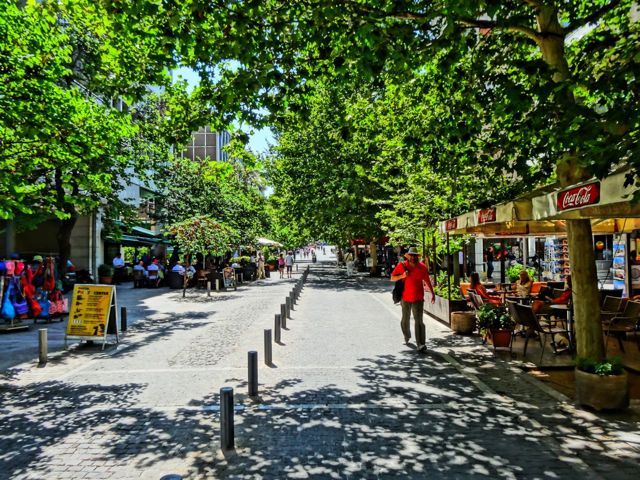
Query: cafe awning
x: 606, y: 202
x: 268, y: 243
x: 514, y: 218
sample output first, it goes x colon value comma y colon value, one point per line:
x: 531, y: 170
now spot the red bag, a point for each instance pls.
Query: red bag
x: 49, y: 284
x: 34, y: 306
x: 58, y: 304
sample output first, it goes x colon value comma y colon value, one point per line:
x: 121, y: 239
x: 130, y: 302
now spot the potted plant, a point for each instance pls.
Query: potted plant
x: 495, y: 321
x: 445, y: 305
x: 602, y: 385
x: 105, y: 273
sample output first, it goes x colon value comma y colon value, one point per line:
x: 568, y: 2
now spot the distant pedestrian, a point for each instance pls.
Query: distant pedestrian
x: 261, y: 273
x: 489, y: 257
x: 348, y: 260
x: 288, y: 261
x: 281, y: 265
x: 118, y: 269
x: 415, y: 276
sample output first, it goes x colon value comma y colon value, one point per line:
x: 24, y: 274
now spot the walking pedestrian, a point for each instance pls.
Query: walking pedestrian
x: 489, y: 258
x: 415, y: 276
x: 261, y: 273
x: 281, y: 265
x: 289, y: 260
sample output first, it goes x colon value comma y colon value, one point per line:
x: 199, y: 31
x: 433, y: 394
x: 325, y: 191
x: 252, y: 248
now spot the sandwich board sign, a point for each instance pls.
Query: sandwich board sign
x: 93, y: 314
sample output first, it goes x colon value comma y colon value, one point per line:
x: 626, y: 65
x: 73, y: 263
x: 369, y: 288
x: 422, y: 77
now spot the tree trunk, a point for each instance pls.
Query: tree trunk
x: 586, y: 300
x: 373, y: 251
x: 586, y: 303
x: 63, y: 236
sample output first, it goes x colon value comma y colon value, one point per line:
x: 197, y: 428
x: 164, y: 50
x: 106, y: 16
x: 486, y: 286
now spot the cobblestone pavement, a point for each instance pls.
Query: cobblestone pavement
x: 344, y: 398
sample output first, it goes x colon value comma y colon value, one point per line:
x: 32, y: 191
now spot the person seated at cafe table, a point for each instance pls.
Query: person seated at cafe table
x: 544, y: 306
x: 482, y: 291
x: 524, y: 284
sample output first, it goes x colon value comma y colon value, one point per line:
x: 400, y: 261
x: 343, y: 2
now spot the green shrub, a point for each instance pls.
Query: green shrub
x: 611, y: 366
x: 513, y: 272
x: 105, y: 270
x: 492, y: 317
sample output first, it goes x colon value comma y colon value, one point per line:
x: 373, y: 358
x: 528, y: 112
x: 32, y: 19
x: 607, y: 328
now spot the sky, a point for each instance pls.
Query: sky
x: 259, y: 140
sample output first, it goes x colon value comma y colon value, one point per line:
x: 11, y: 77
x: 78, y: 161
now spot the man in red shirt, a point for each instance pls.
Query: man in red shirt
x: 415, y: 276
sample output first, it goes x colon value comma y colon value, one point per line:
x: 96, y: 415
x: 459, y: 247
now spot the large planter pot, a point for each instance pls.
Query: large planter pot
x: 105, y: 280
x: 501, y: 338
x: 602, y: 392
x: 463, y: 322
x: 443, y: 308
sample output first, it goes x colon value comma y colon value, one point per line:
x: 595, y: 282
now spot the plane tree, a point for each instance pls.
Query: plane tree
x: 576, y: 59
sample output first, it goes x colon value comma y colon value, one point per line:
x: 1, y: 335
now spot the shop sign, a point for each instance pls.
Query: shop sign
x: 451, y: 224
x: 578, y: 197
x: 91, y: 307
x: 487, y: 215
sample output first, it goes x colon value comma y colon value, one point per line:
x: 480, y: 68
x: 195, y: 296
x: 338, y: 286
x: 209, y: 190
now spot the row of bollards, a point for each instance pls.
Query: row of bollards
x: 227, y: 426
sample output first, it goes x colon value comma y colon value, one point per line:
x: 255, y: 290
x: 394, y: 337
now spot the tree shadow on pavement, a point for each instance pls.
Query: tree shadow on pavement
x: 409, y: 416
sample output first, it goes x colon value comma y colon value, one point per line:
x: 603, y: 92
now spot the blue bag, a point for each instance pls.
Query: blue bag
x: 20, y: 305
x: 8, y: 312
x: 44, y: 305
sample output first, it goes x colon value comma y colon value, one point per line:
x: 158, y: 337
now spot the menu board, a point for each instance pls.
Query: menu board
x: 91, y: 307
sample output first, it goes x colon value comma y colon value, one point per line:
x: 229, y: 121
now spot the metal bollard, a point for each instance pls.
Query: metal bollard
x: 277, y: 324
x: 253, y: 373
x: 283, y: 311
x: 292, y: 296
x: 123, y: 319
x: 208, y: 288
x: 217, y: 284
x: 267, y: 347
x: 287, y: 304
x: 42, y: 346
x: 296, y: 267
x: 227, y: 431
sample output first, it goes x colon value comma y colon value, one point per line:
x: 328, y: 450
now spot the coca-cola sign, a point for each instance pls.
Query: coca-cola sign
x: 451, y: 224
x: 577, y: 197
x: 487, y: 215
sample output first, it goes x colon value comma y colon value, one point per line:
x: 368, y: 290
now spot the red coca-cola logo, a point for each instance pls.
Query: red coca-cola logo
x: 577, y: 197
x: 451, y: 224
x: 487, y: 215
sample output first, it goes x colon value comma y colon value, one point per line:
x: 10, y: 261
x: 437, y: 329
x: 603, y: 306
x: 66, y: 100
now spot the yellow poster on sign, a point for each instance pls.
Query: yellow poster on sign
x: 90, y: 309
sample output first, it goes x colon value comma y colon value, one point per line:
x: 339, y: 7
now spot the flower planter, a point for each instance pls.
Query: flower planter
x: 463, y: 322
x: 443, y: 308
x: 602, y: 392
x: 501, y: 338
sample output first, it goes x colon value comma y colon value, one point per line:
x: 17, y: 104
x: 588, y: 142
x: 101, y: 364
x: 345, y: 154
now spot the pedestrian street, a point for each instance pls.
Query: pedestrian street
x: 343, y: 398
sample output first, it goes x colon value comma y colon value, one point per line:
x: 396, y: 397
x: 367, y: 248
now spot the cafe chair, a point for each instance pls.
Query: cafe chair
x: 138, y: 278
x: 476, y: 300
x: 626, y: 322
x: 611, y: 305
x: 525, y: 317
x: 202, y: 279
